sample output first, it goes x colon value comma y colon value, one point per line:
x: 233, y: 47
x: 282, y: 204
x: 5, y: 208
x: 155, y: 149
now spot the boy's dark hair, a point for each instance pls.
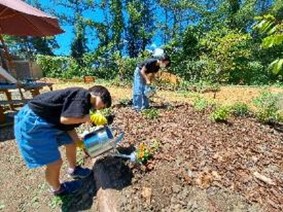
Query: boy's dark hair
x: 166, y: 57
x: 104, y: 94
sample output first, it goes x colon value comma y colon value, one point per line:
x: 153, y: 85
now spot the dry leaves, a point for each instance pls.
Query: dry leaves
x: 200, y: 152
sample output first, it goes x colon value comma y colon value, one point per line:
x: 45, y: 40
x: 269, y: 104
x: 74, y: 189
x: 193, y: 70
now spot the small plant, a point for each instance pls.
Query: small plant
x: 80, y: 157
x: 57, y: 201
x: 146, y: 151
x: 106, y: 111
x: 184, y: 86
x: 151, y: 113
x: 201, y: 104
x: 221, y: 114
x: 240, y: 109
x: 268, y: 107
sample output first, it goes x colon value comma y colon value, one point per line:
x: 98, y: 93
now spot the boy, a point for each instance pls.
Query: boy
x: 141, y: 80
x: 48, y: 121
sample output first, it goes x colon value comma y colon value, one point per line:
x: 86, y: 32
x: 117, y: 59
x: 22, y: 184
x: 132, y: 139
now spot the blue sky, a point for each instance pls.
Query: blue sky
x: 64, y: 40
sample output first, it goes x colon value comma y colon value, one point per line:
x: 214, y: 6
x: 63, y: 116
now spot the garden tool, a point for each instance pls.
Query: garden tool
x: 132, y: 156
x: 102, y: 140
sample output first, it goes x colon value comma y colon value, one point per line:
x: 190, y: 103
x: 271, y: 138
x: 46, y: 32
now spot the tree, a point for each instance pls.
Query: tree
x: 272, y: 29
x: 74, y: 15
x: 177, y: 15
x: 117, y: 24
x: 140, y: 28
x: 78, y: 46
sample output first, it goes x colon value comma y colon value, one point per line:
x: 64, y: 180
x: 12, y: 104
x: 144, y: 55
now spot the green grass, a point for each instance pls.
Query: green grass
x: 151, y: 113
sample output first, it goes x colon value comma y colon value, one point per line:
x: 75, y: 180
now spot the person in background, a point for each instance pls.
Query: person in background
x: 142, y: 80
x: 49, y: 121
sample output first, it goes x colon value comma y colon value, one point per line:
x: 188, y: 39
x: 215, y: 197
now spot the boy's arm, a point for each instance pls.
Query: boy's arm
x: 151, y: 76
x: 96, y: 118
x: 144, y: 75
x: 74, y: 120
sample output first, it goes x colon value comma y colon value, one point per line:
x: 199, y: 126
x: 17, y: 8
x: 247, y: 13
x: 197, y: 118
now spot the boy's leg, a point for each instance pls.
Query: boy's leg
x: 76, y: 172
x: 137, y: 102
x: 71, y: 155
x: 145, y: 102
x: 138, y: 89
x: 52, y: 174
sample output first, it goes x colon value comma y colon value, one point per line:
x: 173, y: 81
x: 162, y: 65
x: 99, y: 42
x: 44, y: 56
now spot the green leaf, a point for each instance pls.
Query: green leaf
x: 276, y: 66
x: 272, y: 30
x: 279, y: 65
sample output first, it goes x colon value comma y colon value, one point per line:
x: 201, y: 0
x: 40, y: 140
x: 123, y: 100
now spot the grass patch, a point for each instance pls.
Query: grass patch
x: 80, y: 157
x: 57, y: 202
x: 151, y: 113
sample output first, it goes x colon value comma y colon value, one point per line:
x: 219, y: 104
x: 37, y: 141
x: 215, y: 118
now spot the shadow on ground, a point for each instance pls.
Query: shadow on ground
x: 6, y: 133
x: 112, y: 173
x: 6, y: 128
x: 83, y: 199
x: 109, y: 173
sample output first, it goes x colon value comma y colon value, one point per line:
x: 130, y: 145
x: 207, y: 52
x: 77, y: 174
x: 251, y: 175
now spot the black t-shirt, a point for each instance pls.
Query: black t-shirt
x: 150, y: 65
x: 70, y: 102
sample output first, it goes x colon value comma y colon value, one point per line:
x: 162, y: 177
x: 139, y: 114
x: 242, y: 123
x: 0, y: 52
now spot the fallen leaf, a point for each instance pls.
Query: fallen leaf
x: 204, y: 180
x: 263, y: 178
x: 146, y: 194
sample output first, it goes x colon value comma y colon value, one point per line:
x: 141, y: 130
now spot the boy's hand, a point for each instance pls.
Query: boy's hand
x: 98, y: 119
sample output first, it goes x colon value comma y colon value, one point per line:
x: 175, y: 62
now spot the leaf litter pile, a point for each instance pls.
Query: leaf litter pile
x: 200, y: 165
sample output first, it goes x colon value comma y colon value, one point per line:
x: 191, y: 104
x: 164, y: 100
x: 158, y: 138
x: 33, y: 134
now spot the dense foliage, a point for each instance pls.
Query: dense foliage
x: 235, y: 42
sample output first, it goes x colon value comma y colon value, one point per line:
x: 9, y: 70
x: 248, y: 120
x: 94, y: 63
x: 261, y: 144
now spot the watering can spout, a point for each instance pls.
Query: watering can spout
x: 131, y: 156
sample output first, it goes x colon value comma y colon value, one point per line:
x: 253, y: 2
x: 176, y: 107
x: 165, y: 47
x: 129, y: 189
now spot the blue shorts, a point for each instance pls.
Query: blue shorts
x: 38, y: 140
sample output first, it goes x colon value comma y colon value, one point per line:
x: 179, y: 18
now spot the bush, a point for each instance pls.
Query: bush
x: 240, y: 109
x: 268, y: 107
x: 126, y: 67
x: 221, y: 114
x: 200, y: 104
x: 52, y: 66
x: 63, y: 67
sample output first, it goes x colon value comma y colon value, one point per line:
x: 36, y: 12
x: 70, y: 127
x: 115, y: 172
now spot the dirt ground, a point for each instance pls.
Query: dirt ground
x: 199, y: 166
x: 205, y: 166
